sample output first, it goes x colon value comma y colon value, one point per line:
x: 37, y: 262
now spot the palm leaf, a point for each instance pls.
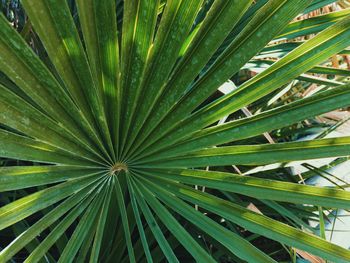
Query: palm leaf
x: 106, y: 108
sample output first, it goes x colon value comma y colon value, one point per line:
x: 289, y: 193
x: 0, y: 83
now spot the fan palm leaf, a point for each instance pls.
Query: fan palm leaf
x: 115, y: 120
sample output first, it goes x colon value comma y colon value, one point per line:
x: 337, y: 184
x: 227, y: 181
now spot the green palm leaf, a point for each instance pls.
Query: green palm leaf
x: 108, y: 106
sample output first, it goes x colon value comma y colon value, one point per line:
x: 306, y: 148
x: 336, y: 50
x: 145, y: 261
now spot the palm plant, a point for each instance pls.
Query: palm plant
x: 112, y: 110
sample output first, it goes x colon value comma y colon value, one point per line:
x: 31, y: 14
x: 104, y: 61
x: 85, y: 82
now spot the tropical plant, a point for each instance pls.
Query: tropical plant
x: 113, y: 116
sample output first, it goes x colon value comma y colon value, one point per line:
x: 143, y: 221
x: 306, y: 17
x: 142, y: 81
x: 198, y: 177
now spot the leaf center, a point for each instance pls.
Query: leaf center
x: 117, y: 168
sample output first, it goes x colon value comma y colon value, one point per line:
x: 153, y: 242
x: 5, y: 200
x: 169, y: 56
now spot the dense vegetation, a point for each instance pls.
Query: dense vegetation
x: 166, y: 130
